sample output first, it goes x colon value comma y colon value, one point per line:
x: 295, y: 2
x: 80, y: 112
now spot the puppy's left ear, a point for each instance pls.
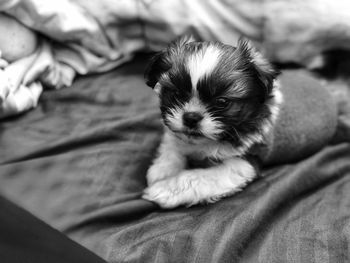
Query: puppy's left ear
x: 266, y: 72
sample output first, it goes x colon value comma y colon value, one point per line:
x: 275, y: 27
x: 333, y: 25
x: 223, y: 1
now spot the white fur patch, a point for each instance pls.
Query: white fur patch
x: 210, y: 127
x: 157, y: 88
x: 274, y: 106
x: 258, y: 59
x: 202, y: 63
x: 175, y: 119
x: 194, y: 105
x: 169, y: 162
x: 277, y: 100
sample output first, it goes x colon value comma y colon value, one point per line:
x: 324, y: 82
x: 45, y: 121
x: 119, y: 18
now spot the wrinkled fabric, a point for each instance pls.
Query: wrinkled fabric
x: 16, y: 97
x: 97, y: 36
x: 78, y: 161
x: 82, y: 42
x: 21, y: 82
x: 307, y: 119
x: 300, y: 31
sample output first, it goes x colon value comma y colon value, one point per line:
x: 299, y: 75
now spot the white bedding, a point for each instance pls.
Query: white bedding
x: 96, y: 36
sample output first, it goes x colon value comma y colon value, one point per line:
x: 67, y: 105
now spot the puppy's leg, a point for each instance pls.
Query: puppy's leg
x: 170, y: 161
x: 201, y: 185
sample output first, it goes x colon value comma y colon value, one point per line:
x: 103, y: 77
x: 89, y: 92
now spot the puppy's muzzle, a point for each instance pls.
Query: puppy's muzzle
x: 191, y: 119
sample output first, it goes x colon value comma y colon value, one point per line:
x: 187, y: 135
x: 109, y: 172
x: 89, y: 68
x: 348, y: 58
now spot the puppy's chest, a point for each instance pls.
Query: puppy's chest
x: 207, y: 156
x: 194, y: 162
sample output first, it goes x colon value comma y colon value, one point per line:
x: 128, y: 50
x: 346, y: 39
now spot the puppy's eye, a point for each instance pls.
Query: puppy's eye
x: 222, y: 103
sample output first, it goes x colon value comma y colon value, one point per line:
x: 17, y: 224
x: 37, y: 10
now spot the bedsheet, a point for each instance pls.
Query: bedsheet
x: 79, y: 159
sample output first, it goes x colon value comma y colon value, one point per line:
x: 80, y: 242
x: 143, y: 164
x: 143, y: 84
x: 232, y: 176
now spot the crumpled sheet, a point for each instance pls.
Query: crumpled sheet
x: 21, y: 82
x: 96, y: 36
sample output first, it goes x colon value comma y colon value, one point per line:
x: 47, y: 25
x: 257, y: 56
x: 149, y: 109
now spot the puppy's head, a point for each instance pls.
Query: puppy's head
x: 211, y: 90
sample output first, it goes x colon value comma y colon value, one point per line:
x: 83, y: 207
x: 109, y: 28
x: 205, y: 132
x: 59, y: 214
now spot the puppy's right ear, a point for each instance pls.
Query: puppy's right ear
x: 158, y: 64
x: 162, y: 61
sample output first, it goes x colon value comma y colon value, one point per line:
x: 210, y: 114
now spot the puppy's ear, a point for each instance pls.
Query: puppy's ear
x: 266, y: 72
x: 162, y: 61
x: 158, y: 64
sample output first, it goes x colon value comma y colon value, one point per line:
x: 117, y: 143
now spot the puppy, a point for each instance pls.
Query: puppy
x: 217, y: 102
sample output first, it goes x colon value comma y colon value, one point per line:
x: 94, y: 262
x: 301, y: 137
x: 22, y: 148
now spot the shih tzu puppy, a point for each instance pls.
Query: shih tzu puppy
x: 217, y: 102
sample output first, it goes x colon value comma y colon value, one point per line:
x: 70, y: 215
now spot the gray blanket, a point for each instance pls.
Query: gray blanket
x: 78, y: 162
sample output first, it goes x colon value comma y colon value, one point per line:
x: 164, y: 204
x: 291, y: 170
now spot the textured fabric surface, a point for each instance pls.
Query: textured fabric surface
x: 307, y: 120
x: 79, y: 160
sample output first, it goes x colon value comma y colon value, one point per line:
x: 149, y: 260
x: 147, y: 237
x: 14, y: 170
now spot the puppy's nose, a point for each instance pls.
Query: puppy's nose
x: 191, y: 119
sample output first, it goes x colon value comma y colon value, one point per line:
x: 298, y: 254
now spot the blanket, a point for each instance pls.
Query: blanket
x: 96, y: 36
x: 78, y: 161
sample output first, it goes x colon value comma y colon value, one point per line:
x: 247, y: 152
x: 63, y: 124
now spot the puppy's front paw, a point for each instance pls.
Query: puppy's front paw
x: 166, y: 193
x: 159, y: 172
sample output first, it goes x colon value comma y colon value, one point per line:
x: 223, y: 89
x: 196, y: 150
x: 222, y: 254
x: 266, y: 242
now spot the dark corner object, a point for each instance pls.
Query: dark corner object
x: 24, y: 238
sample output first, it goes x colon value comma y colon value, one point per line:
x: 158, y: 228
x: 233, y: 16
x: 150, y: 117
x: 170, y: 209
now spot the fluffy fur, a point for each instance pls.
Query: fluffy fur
x: 217, y: 101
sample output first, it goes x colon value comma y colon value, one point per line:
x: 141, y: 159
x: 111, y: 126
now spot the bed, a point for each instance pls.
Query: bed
x: 78, y: 162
